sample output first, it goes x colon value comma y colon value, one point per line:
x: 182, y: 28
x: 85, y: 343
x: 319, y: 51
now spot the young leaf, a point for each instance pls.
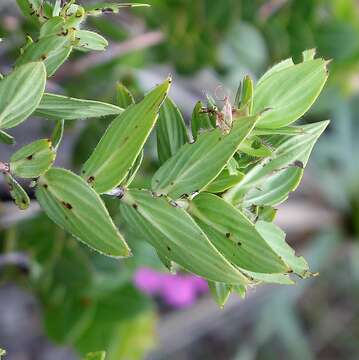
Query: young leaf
x: 17, y: 193
x: 89, y: 40
x: 73, y: 205
x: 200, y: 120
x: 246, y: 102
x: 20, y: 93
x: 6, y: 138
x: 33, y: 159
x: 2, y: 352
x: 123, y: 97
x: 31, y: 9
x: 171, y: 131
x: 220, y: 292
x: 100, y: 355
x: 289, y: 93
x: 234, y: 235
x: 276, y: 239
x: 122, y: 142
x: 111, y: 8
x: 294, y: 152
x: 173, y: 232
x: 63, y: 107
x: 52, y: 26
x: 255, y: 147
x: 224, y: 181
x: 53, y: 50
x: 195, y: 165
x: 57, y: 134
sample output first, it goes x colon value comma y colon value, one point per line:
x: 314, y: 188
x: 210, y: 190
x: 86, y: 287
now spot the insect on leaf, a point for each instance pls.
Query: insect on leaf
x: 200, y: 120
x: 20, y: 93
x: 172, y: 231
x: 33, y: 159
x: 195, y: 165
x: 68, y: 200
x: 123, y: 141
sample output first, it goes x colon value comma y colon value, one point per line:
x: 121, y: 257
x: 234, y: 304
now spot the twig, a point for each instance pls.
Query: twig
x: 139, y: 42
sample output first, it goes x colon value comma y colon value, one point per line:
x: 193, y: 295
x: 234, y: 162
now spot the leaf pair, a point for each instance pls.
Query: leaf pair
x: 73, y: 202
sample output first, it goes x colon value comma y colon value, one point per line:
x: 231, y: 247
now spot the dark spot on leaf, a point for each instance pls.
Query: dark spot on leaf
x: 135, y: 206
x: 228, y: 235
x: 239, y: 243
x: 168, y: 248
x: 67, y: 205
x: 45, y: 186
x: 299, y: 164
x: 91, y: 179
x: 43, y: 57
x: 29, y: 157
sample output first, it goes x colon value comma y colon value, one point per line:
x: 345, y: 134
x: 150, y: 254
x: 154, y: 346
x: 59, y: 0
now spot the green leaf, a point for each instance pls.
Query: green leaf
x: 134, y: 169
x: 2, y: 352
x: 288, y: 130
x: 89, y: 40
x: 171, y: 131
x: 20, y: 93
x: 33, y: 159
x: 172, y: 231
x: 123, y: 141
x: 17, y: 193
x: 292, y: 153
x: 63, y: 107
x: 200, y: 120
x: 73, y: 205
x: 53, y: 50
x: 52, y: 26
x: 30, y: 9
x: 195, y: 165
x: 289, y: 93
x: 246, y: 98
x: 255, y: 147
x: 99, y: 355
x: 224, y: 181
x: 220, y: 292
x: 234, y: 235
x: 7, y: 138
x: 103, y: 8
x: 123, y: 97
x: 276, y: 239
x: 57, y: 134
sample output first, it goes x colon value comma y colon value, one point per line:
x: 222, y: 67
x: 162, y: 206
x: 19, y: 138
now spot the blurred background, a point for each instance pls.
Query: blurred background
x: 59, y: 300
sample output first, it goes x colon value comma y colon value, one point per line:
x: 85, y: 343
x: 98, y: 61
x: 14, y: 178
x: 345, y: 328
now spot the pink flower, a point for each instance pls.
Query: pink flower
x: 178, y: 291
